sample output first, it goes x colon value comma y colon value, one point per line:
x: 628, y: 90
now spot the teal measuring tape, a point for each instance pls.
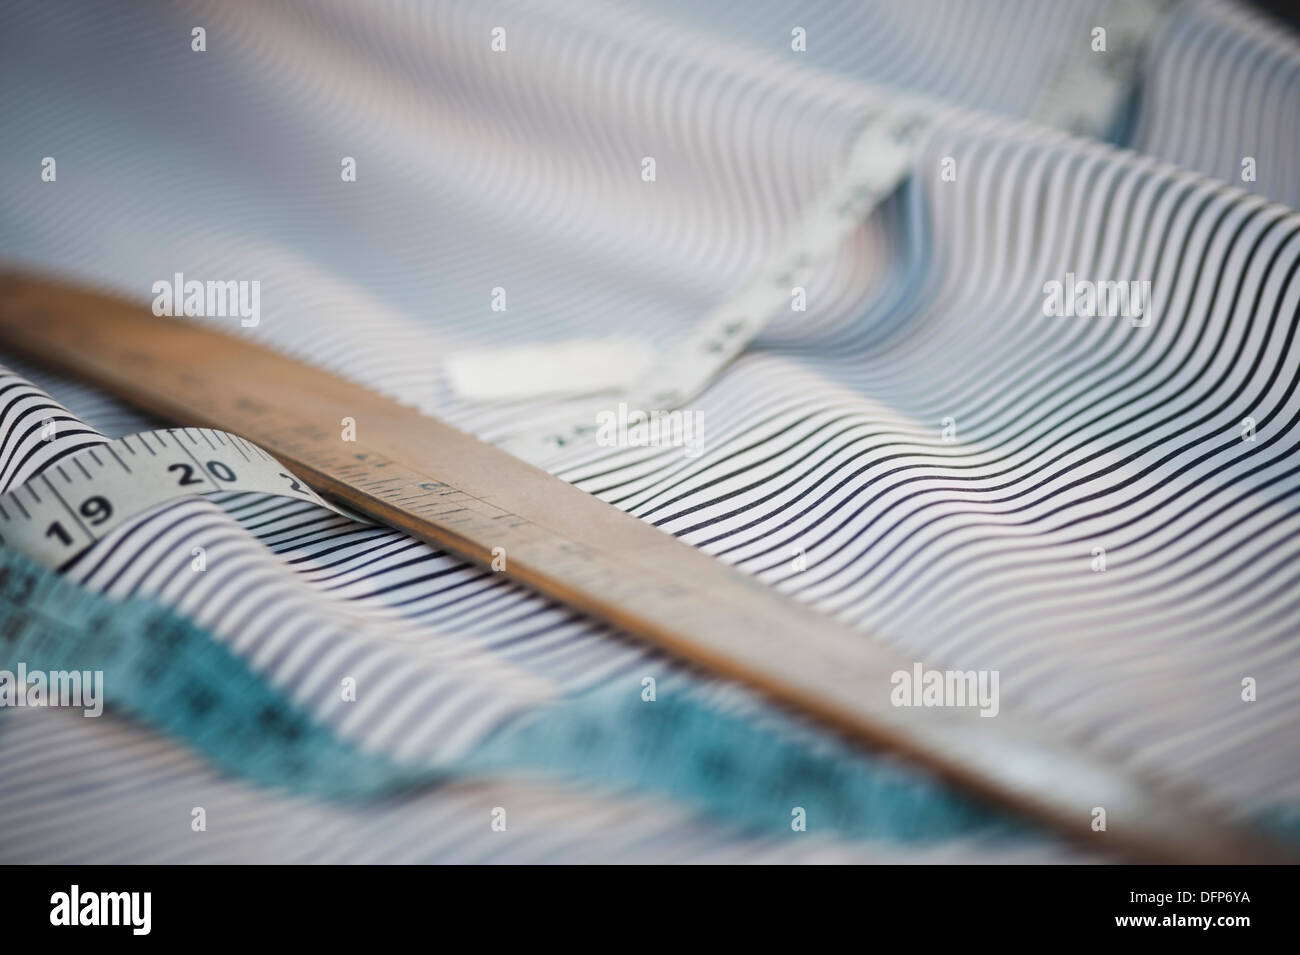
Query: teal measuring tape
x: 170, y: 673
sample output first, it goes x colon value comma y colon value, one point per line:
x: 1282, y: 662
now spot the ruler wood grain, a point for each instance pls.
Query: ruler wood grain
x: 445, y: 487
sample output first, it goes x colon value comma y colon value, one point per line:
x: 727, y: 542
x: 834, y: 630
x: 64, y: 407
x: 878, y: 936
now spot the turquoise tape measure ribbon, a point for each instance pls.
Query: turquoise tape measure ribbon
x: 173, y: 675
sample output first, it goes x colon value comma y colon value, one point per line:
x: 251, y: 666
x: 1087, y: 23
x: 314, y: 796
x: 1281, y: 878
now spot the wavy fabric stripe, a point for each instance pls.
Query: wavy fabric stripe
x: 1071, y: 434
x: 1219, y: 81
x: 1223, y: 85
x: 970, y: 544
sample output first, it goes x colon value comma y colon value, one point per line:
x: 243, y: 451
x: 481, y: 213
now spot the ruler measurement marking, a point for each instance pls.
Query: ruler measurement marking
x: 75, y: 516
x: 405, y: 501
x: 125, y: 466
x: 197, y: 464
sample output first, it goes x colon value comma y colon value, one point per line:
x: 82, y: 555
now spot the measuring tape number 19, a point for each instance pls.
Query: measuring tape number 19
x: 58, y: 514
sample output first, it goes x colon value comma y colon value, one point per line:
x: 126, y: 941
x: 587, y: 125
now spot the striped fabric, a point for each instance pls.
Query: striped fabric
x: 948, y: 460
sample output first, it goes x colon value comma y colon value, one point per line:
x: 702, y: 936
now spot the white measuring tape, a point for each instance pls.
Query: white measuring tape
x: 877, y: 162
x: 1085, y: 97
x: 1089, y: 93
x: 80, y: 499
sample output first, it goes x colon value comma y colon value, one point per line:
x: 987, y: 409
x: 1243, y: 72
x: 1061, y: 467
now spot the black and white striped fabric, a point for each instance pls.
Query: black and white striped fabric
x: 947, y: 462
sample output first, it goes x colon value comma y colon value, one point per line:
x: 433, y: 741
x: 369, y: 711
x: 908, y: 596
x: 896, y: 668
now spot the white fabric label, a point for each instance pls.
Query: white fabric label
x: 561, y: 369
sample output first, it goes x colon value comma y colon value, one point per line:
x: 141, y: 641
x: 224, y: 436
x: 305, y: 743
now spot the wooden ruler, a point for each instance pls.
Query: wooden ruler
x: 451, y: 490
